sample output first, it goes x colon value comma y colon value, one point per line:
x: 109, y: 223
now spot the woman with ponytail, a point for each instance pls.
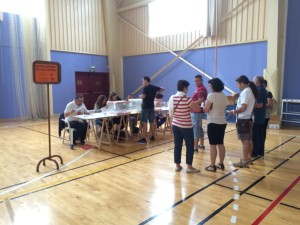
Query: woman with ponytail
x: 244, y: 111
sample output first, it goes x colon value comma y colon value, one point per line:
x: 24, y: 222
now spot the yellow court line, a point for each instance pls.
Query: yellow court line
x: 89, y: 172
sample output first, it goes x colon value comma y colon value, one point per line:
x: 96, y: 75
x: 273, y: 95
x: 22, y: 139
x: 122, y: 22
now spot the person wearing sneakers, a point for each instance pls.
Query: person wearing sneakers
x: 199, y: 96
x: 182, y: 127
x: 148, y: 113
x: 215, y: 107
x: 244, y: 111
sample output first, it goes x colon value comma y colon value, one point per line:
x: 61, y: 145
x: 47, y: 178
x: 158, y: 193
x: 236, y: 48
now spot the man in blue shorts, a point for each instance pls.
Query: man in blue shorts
x: 147, y: 113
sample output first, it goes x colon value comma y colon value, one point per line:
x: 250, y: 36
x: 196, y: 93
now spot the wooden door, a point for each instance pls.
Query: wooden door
x: 91, y: 85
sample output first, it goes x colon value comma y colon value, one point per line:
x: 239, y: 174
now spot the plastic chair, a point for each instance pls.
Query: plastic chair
x: 68, y: 129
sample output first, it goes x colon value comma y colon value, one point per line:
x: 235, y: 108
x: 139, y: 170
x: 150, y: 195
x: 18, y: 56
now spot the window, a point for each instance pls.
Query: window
x: 30, y: 8
x: 168, y: 17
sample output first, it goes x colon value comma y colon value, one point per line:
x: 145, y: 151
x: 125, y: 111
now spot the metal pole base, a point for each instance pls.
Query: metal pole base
x: 50, y: 159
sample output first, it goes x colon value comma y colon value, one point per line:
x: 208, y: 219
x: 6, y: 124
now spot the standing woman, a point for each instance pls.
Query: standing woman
x: 182, y: 127
x: 215, y: 107
x: 244, y: 111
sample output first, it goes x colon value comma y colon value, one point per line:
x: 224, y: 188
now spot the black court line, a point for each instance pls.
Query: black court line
x: 105, y: 170
x: 86, y: 174
x: 186, y: 198
x: 77, y: 178
x: 260, y: 197
x: 281, y: 144
x: 60, y: 172
x: 27, y: 128
x: 241, y: 193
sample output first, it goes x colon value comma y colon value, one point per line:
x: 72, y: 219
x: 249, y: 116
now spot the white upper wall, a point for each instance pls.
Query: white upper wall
x: 239, y: 21
x: 77, y: 26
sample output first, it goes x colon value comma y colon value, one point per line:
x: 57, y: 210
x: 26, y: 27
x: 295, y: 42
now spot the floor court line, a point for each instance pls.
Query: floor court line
x: 241, y: 193
x: 47, y: 174
x: 10, y: 210
x: 276, y: 201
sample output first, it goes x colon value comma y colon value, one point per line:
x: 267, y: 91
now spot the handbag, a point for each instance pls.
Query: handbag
x: 243, y: 126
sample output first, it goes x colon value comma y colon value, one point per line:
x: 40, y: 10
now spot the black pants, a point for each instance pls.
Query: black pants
x: 80, y: 130
x: 258, y: 139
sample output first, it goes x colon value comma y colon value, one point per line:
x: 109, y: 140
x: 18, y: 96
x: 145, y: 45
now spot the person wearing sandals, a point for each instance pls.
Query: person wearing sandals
x: 182, y: 127
x: 215, y: 107
x: 244, y: 110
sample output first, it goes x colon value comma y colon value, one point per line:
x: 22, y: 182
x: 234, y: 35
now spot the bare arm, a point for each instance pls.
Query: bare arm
x: 269, y: 103
x: 243, y: 108
x: 207, y: 106
x: 67, y: 114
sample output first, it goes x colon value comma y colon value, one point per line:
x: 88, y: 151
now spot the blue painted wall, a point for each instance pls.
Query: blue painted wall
x: 249, y: 59
x: 292, y: 52
x: 64, y: 92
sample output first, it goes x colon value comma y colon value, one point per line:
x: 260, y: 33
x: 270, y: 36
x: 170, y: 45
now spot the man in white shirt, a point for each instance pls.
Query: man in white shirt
x: 77, y: 107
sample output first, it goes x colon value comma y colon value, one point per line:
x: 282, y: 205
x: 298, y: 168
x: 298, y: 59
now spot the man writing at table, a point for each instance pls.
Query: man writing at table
x: 77, y: 107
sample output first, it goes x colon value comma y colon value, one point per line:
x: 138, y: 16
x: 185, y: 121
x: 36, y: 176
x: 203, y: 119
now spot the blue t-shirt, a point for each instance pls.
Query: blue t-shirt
x: 259, y: 113
x: 150, y: 92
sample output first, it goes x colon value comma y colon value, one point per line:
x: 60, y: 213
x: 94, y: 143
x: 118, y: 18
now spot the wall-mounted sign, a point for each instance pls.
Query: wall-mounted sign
x: 45, y: 72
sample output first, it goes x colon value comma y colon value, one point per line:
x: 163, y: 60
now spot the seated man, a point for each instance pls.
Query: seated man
x: 77, y: 107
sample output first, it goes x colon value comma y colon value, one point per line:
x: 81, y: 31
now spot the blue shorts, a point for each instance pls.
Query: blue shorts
x: 147, y: 115
x: 197, y: 125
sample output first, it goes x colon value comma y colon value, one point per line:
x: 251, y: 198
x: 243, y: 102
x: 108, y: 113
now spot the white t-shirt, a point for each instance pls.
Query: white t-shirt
x: 72, y: 105
x: 219, y: 103
x: 246, y: 97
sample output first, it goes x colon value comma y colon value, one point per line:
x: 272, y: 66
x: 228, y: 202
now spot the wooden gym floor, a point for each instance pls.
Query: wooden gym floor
x: 136, y: 184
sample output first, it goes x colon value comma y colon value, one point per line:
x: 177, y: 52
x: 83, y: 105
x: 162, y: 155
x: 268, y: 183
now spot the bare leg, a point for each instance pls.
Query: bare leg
x: 250, y: 146
x: 201, y: 141
x: 152, y: 129
x: 221, y: 153
x: 145, y: 129
x: 213, y: 154
x: 196, y: 144
x: 245, y: 150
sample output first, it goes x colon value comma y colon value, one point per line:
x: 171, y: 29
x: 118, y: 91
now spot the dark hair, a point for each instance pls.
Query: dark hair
x: 100, y: 100
x: 79, y: 96
x: 199, y: 76
x: 265, y: 83
x: 158, y: 95
x: 216, y: 84
x: 147, y: 78
x: 245, y: 80
x: 113, y: 94
x: 182, y: 84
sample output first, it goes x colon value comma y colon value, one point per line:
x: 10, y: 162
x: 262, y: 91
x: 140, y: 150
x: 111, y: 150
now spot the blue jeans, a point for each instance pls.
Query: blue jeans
x: 185, y: 134
x: 197, y: 125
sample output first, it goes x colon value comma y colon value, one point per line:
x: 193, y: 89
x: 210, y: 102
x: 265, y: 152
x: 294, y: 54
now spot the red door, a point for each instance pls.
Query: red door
x: 91, y: 85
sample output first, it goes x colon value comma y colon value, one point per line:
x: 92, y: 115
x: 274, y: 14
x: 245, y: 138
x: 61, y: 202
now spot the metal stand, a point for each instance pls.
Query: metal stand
x: 50, y: 157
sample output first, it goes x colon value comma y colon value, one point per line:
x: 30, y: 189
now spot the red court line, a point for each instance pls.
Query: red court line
x: 274, y: 203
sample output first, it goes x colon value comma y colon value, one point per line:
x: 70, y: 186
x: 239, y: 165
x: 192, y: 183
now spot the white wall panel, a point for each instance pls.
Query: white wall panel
x: 239, y: 21
x: 77, y: 26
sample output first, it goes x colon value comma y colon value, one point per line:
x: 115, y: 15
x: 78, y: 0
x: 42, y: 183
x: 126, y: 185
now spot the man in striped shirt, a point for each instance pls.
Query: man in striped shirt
x: 182, y: 127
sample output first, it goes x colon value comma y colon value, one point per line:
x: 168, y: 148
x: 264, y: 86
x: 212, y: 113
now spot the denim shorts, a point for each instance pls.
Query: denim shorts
x: 197, y: 125
x: 147, y: 115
